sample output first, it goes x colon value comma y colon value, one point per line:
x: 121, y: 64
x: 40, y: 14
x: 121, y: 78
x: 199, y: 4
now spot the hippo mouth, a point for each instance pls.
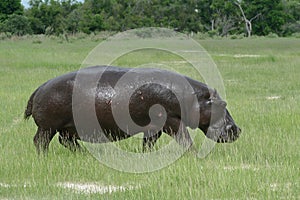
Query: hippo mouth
x: 223, y: 132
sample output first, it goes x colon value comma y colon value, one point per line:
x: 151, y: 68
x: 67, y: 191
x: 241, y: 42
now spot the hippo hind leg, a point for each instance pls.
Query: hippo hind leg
x: 149, y: 140
x: 69, y: 140
x: 42, y: 139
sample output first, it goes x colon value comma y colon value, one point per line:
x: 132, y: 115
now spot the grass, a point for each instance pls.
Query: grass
x: 262, y: 164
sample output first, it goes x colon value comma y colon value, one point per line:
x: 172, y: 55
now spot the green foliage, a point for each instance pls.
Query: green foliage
x: 53, y: 16
x: 9, y: 7
x: 36, y: 25
x: 73, y: 21
x: 272, y: 16
x: 217, y: 17
x: 16, y: 25
x: 292, y: 10
x: 296, y: 35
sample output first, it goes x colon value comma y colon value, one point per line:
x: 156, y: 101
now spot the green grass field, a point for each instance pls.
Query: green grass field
x: 261, y: 77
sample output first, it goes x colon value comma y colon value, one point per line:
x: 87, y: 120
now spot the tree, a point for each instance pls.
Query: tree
x: 272, y: 17
x: 218, y: 16
x: 9, y: 7
x: 292, y: 11
x: 51, y: 16
x: 16, y: 25
x: 186, y: 17
x: 36, y: 25
x: 221, y: 17
x: 248, y: 22
x: 89, y: 17
x: 73, y: 21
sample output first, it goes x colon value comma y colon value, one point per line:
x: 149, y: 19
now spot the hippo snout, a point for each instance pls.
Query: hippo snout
x: 224, y: 132
x: 230, y: 133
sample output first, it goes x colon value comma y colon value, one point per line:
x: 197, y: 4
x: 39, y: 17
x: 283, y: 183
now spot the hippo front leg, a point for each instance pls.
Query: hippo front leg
x: 183, y: 137
x: 149, y: 140
x: 177, y: 129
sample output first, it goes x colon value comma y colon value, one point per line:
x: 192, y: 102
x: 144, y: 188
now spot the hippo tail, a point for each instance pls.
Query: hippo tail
x: 28, y: 110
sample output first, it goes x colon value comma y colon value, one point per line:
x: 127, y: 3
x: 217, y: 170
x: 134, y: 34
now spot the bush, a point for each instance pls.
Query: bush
x: 37, y: 42
x: 291, y: 28
x: 3, y: 36
x: 16, y: 25
x: 272, y: 35
x: 234, y: 37
x: 296, y: 35
x: 201, y: 36
x: 212, y: 33
x: 36, y: 26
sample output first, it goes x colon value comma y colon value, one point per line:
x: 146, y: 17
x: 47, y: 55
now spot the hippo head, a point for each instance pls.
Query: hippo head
x: 215, y: 120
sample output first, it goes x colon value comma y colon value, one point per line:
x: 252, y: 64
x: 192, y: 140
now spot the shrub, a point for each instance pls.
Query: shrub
x: 296, y: 35
x: 212, y: 33
x: 201, y: 36
x: 272, y: 35
x: 16, y: 25
x: 240, y: 36
x: 291, y: 28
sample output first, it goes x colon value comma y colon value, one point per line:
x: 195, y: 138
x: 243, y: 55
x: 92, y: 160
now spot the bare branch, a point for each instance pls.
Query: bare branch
x: 253, y: 18
x: 239, y: 5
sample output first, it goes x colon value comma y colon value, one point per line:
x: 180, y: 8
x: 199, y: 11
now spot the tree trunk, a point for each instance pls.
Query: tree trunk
x: 247, y: 22
x: 248, y: 28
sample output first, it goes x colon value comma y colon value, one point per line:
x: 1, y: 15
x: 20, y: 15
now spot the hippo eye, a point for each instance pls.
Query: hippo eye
x: 218, y: 102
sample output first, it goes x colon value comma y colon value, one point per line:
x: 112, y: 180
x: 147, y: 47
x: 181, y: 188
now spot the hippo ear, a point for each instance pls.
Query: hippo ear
x: 220, y: 102
x: 214, y: 94
x: 216, y: 100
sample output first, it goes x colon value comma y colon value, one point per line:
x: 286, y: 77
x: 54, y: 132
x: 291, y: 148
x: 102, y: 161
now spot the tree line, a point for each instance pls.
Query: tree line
x: 216, y: 17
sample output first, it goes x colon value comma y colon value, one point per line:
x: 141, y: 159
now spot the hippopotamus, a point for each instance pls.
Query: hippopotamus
x: 161, y: 101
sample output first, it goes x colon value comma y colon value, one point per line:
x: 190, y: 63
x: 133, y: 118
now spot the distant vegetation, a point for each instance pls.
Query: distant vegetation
x: 213, y: 17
